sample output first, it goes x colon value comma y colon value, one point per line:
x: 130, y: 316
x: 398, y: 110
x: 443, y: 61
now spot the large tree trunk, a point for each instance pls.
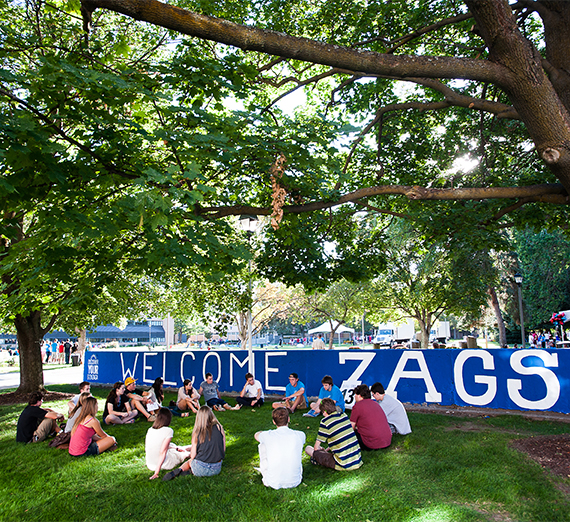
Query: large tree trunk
x: 425, y: 327
x: 30, y: 337
x: 500, y: 322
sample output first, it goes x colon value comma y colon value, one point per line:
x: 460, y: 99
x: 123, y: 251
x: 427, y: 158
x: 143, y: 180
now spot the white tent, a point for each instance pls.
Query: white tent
x: 326, y: 329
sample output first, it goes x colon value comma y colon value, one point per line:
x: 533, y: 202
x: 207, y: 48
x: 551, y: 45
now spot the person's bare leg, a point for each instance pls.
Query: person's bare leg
x: 105, y: 443
x: 309, y: 450
x: 138, y: 405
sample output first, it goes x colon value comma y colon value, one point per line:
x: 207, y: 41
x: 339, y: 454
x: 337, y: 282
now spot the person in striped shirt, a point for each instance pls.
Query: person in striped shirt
x: 335, y: 430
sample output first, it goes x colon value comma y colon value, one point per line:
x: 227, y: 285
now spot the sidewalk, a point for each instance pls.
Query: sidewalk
x: 70, y: 375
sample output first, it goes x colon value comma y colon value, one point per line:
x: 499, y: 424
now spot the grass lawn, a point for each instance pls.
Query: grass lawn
x: 448, y: 469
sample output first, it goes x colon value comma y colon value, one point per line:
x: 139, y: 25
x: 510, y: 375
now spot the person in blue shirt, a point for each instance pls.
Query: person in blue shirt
x: 328, y: 391
x: 295, y: 396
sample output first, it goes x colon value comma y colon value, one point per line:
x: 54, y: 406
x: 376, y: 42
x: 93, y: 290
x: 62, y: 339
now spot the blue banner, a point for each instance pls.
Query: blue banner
x: 511, y: 379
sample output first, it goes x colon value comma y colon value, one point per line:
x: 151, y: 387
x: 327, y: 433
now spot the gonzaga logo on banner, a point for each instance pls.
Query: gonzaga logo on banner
x: 93, y: 368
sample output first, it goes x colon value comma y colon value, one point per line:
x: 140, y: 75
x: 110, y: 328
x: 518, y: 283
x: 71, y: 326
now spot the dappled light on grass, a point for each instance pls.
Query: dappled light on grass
x: 434, y: 514
x: 354, y: 483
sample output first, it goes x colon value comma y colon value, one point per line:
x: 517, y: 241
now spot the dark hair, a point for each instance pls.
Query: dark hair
x: 163, y: 418
x: 35, y: 397
x: 187, y: 382
x: 83, y: 384
x: 157, y: 389
x: 280, y: 416
x: 294, y: 375
x: 112, y: 397
x: 327, y: 379
x: 363, y: 391
x: 248, y: 376
x: 208, y: 375
x: 327, y: 405
x: 377, y: 388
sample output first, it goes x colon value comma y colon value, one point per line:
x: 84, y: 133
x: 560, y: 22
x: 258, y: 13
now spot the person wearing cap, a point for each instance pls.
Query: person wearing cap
x: 369, y: 421
x: 280, y: 453
x: 136, y: 398
x: 295, y: 396
x: 393, y: 408
x: 252, y: 393
x: 209, y: 389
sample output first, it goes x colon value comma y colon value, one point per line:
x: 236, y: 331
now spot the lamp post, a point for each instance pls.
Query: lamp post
x: 149, y: 331
x: 249, y: 223
x: 518, y: 281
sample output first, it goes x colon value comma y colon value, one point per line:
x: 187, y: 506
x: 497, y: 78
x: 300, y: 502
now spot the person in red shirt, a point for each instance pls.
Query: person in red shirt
x: 369, y: 421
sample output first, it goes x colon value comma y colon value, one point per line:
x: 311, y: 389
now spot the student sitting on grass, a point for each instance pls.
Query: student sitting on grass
x: 87, y: 436
x: 208, y: 447
x: 393, y: 408
x: 328, y: 390
x: 117, y: 407
x: 84, y: 387
x: 36, y: 424
x: 295, y: 396
x: 159, y: 450
x: 75, y: 412
x: 155, y: 396
x: 188, y: 398
x: 251, y: 394
x: 209, y: 389
x: 335, y: 430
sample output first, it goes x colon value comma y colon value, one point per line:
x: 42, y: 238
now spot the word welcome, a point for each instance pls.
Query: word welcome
x: 510, y: 379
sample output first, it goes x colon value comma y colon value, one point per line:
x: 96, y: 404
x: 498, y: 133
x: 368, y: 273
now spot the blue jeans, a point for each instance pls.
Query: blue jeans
x: 205, y: 469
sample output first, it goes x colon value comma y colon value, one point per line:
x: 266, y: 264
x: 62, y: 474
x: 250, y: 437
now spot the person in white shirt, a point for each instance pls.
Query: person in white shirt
x: 280, y: 453
x: 160, y: 452
x: 318, y: 343
x: 84, y: 387
x: 394, y: 410
x: 252, y: 393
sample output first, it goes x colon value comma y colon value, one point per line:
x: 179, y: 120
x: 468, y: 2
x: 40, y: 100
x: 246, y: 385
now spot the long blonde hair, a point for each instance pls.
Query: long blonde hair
x: 205, y: 420
x: 89, y: 409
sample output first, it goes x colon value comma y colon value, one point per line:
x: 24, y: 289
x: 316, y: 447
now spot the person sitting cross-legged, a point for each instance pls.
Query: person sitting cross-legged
x: 369, y: 421
x: 335, y: 430
x: 329, y: 390
x: 295, y: 397
x: 118, y: 408
x: 252, y: 393
x: 137, y: 399
x: 393, y: 408
x: 280, y: 453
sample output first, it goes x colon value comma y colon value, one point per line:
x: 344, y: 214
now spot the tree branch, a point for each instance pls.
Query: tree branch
x: 279, y: 44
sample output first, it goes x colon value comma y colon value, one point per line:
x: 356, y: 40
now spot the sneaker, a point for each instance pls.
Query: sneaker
x: 237, y: 407
x: 185, y: 473
x: 151, y: 418
x: 172, y: 474
x: 313, y: 461
x: 311, y: 413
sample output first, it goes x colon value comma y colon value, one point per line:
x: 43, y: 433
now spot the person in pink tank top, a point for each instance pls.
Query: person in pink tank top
x: 87, y: 436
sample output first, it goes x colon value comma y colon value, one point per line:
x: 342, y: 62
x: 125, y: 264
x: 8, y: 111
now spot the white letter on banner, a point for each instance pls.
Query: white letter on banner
x: 212, y: 354
x: 269, y: 370
x: 549, y: 377
x: 354, y: 380
x: 166, y: 383
x: 145, y: 367
x: 432, y: 395
x: 128, y: 372
x: 491, y: 382
x: 240, y: 364
x: 182, y: 378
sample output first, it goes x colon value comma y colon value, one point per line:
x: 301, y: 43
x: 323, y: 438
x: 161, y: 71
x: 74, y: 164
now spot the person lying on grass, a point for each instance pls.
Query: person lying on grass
x: 117, y: 408
x: 36, y: 424
x: 208, y: 447
x: 209, y: 389
x: 87, y: 436
x: 188, y: 398
x: 159, y: 450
